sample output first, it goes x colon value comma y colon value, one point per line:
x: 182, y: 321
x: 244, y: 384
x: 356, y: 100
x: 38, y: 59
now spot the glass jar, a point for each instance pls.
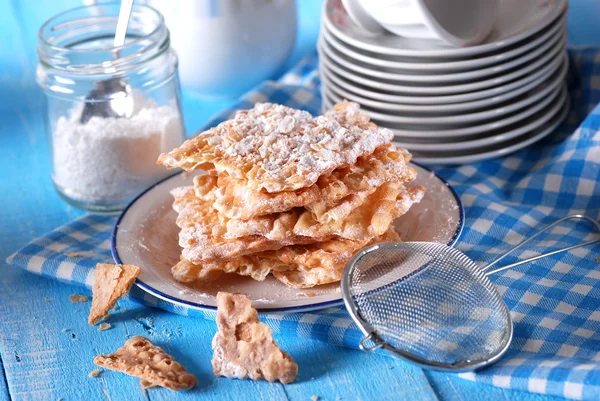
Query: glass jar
x: 110, y: 111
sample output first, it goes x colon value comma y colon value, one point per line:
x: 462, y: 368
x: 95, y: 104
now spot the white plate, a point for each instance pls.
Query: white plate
x: 146, y: 235
x: 556, y: 104
x: 433, y: 65
x: 426, y: 133
x: 493, y: 95
x: 552, y: 46
x: 505, y: 149
x: 436, y: 89
x: 539, y: 94
x: 329, y: 81
x: 517, y: 20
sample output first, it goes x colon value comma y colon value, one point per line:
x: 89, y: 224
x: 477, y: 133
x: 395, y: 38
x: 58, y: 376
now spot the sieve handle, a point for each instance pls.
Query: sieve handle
x: 487, y: 270
x: 378, y: 342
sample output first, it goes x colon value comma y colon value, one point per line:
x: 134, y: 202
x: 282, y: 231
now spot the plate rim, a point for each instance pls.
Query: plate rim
x: 545, y: 115
x: 494, y: 154
x: 433, y: 100
x: 561, y: 6
x: 290, y: 309
x: 530, y: 69
x: 460, y: 65
x: 472, y: 130
x: 538, y: 52
x: 463, y: 107
x: 469, y: 117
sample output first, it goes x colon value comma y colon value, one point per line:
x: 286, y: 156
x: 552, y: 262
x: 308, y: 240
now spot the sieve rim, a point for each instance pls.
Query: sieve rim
x: 370, y: 333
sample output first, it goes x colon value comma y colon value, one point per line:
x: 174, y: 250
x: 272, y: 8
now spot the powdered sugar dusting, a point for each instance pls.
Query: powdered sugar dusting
x: 279, y: 148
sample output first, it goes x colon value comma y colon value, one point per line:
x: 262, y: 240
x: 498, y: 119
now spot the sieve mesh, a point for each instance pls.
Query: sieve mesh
x: 428, y: 302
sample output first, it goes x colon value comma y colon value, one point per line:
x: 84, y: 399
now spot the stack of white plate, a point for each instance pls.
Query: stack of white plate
x: 454, y: 105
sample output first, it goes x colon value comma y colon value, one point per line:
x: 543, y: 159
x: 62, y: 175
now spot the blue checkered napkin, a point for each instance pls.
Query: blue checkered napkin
x: 555, y: 302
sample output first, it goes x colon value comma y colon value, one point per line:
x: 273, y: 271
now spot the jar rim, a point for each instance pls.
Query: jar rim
x: 140, y: 7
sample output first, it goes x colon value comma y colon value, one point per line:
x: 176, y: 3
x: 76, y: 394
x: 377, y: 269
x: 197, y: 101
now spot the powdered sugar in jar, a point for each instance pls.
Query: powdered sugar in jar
x: 103, y: 162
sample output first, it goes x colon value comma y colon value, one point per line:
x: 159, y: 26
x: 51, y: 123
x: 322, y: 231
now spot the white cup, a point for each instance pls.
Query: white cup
x: 457, y: 22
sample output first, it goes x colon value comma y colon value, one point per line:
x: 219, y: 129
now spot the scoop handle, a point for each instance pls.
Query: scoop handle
x: 487, y: 269
x: 122, y: 22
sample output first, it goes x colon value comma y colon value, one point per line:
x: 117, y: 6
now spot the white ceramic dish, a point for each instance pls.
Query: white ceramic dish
x: 553, y: 45
x: 498, y: 149
x: 329, y: 81
x: 534, y: 79
x: 426, y: 133
x: 537, y: 96
x: 463, y: 23
x: 146, y: 235
x: 361, y: 17
x: 517, y: 20
x: 436, y: 89
x: 435, y: 65
x: 556, y: 104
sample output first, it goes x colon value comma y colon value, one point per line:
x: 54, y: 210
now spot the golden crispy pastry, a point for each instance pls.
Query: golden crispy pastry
x: 140, y: 358
x: 318, y: 264
x: 111, y: 283
x: 244, y: 347
x: 277, y: 148
x: 206, y: 236
x: 258, y: 266
x: 300, y: 266
x: 332, y: 197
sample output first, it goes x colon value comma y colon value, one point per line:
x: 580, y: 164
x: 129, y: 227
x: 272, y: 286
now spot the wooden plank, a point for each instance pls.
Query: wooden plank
x: 4, y: 396
x: 451, y: 388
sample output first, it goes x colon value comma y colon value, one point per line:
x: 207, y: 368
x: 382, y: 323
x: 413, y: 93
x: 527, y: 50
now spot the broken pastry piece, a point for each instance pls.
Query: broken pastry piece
x: 244, y: 347
x: 111, y: 283
x: 140, y: 358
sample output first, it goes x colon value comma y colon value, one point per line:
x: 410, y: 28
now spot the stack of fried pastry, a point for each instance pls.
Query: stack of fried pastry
x: 288, y: 194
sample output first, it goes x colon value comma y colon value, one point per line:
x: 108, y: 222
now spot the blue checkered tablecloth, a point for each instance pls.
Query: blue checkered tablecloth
x: 555, y: 303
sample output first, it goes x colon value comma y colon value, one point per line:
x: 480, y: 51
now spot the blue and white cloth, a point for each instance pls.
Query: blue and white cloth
x: 555, y: 302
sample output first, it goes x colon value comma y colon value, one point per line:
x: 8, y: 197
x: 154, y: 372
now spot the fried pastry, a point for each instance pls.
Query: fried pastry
x: 300, y: 266
x: 111, y: 283
x: 318, y: 264
x: 332, y: 197
x: 206, y: 236
x: 142, y: 359
x: 244, y: 347
x: 277, y: 148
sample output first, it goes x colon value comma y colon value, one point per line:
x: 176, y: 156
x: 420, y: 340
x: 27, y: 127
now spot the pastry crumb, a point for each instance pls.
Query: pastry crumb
x: 104, y: 326
x: 314, y: 398
x: 64, y: 330
x: 94, y: 373
x: 75, y: 298
x: 598, y: 259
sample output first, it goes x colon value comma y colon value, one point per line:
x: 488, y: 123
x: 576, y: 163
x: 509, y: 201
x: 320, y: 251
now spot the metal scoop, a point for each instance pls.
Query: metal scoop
x: 112, y: 97
x: 431, y: 305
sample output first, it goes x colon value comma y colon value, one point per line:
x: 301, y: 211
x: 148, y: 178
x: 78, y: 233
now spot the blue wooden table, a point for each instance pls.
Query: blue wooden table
x: 46, y: 345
